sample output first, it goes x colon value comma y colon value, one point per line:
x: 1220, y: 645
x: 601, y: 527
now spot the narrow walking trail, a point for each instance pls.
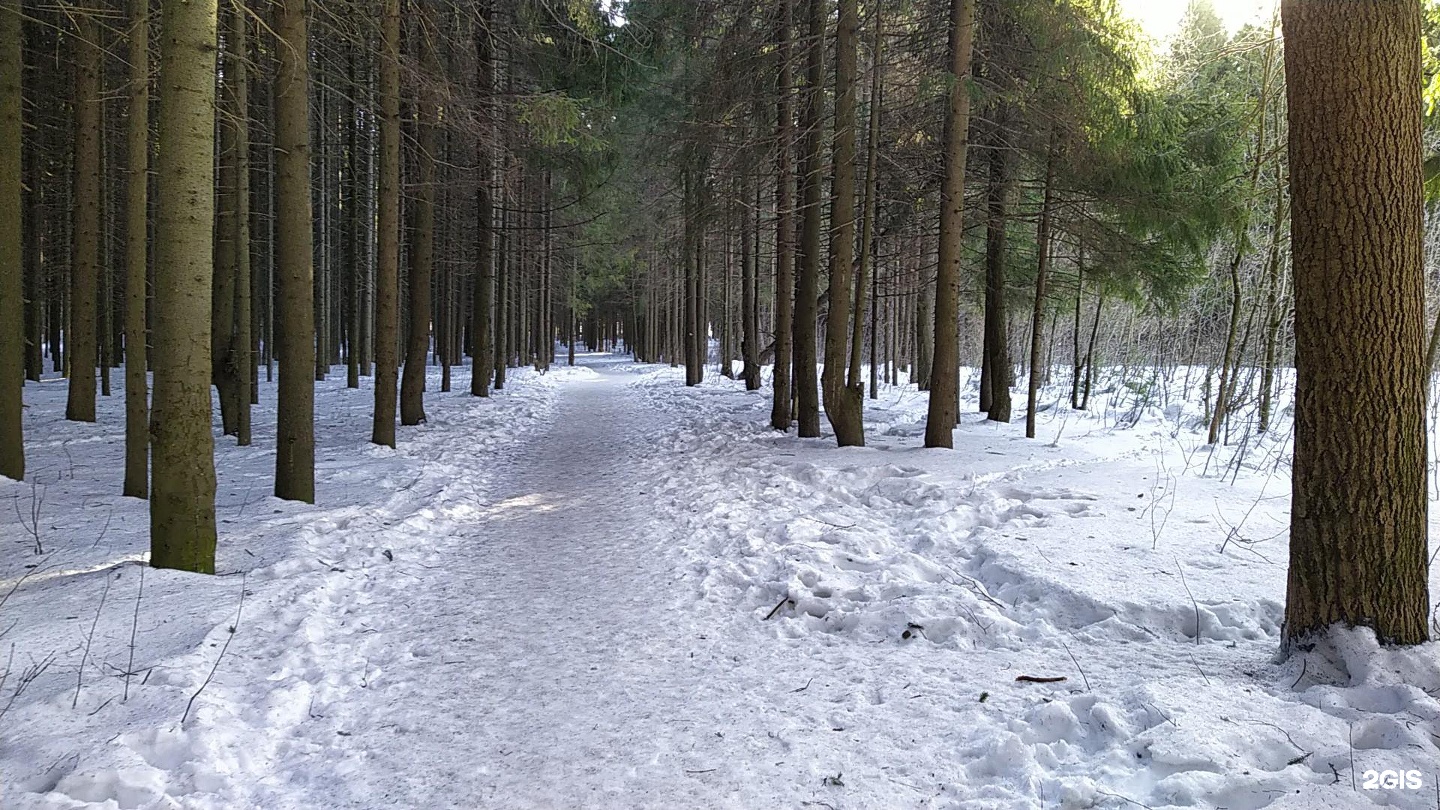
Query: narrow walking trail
x: 538, y: 660
x: 538, y: 663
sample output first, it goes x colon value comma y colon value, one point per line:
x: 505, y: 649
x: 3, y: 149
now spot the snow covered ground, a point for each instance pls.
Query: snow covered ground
x: 602, y: 589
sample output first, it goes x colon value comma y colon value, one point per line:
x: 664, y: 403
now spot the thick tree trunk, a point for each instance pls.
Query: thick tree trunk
x: 12, y: 316
x: 780, y: 413
x: 807, y: 284
x: 294, y: 258
x: 945, y: 366
x: 843, y: 400
x: 80, y: 339
x: 1358, y: 520
x: 387, y: 258
x: 182, y: 506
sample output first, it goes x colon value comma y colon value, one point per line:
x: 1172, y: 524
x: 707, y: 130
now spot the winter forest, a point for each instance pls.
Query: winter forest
x: 815, y: 404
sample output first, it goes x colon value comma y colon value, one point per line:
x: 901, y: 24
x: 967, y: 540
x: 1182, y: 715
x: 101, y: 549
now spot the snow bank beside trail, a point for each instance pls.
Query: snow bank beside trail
x: 1108, y: 555
x: 103, y: 657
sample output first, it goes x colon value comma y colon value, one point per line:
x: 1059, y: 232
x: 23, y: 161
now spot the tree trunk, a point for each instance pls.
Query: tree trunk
x: 1090, y: 353
x: 482, y: 348
x: 995, y: 370
x: 387, y: 237
x: 1037, y: 321
x: 868, y: 246
x: 1358, y: 520
x: 807, y: 284
x: 945, y: 366
x: 239, y: 354
x: 352, y: 227
x: 294, y: 261
x: 12, y: 292
x: 422, y: 244
x: 843, y: 400
x: 80, y: 339
x: 780, y: 413
x: 182, y: 506
x: 232, y: 248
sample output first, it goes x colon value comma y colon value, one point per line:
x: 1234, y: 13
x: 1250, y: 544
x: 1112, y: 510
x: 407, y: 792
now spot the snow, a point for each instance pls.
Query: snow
x: 599, y: 588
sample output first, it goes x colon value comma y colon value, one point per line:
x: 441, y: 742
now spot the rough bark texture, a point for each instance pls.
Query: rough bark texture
x: 422, y: 244
x: 1358, y: 521
x: 230, y: 371
x: 843, y: 402
x: 137, y: 140
x: 80, y: 339
x: 387, y: 259
x: 294, y: 269
x: 482, y: 349
x: 996, y: 373
x: 182, y: 505
x: 12, y: 317
x: 807, y: 283
x: 780, y: 415
x: 945, y: 362
x: 240, y: 364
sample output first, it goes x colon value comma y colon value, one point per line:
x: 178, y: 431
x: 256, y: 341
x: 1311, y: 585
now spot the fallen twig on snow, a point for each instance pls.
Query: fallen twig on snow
x: 90, y: 638
x: 233, y: 628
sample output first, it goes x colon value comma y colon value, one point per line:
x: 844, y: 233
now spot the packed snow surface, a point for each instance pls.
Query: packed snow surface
x: 599, y: 588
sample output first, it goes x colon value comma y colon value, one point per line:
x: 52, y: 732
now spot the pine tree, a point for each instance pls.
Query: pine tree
x: 1358, y: 527
x: 182, y: 505
x: 294, y: 269
x: 387, y: 260
x: 137, y: 184
x: 945, y: 366
x: 780, y: 415
x: 12, y: 319
x: 422, y: 242
x: 81, y: 340
x: 843, y: 400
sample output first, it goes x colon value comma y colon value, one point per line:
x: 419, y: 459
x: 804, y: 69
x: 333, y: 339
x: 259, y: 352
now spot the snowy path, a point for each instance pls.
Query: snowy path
x: 536, y: 664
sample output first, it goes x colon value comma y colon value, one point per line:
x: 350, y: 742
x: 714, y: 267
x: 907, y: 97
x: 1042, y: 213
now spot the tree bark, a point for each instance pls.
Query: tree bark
x: 12, y: 287
x: 182, y: 506
x: 780, y: 414
x: 137, y: 181
x: 422, y: 244
x: 1358, y: 521
x: 945, y: 366
x: 995, y: 379
x: 387, y: 259
x: 481, y: 321
x: 843, y: 399
x: 294, y: 257
x: 807, y: 284
x: 1037, y: 321
x: 80, y: 340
